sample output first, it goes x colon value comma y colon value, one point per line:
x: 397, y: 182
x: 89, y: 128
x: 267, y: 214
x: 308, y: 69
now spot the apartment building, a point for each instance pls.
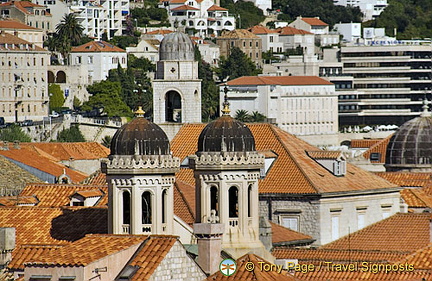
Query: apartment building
x: 23, y: 81
x: 370, y: 8
x: 249, y: 43
x: 23, y: 31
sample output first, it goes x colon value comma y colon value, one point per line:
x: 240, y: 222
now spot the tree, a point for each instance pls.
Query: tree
x: 14, y: 133
x: 106, y: 141
x: 242, y: 115
x: 237, y: 64
x: 73, y: 134
x: 246, y: 12
x: 257, y: 117
x: 70, y: 29
x: 56, y: 97
x: 106, y: 95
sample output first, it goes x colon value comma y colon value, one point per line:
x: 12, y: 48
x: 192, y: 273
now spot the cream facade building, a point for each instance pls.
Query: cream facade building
x: 23, y: 31
x: 23, y: 79
x: 246, y: 41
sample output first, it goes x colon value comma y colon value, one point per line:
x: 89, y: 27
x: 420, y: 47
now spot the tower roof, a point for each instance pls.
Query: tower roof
x: 176, y: 46
x: 140, y: 137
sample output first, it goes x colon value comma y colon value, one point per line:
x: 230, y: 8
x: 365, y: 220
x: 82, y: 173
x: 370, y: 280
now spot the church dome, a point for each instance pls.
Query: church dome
x: 410, y: 147
x: 140, y: 137
x: 226, y: 135
x: 176, y: 46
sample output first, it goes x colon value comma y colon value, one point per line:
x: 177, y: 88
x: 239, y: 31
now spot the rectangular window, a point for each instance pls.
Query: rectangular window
x: 90, y: 59
x: 271, y: 39
x: 291, y: 222
x: 360, y: 220
x: 335, y: 227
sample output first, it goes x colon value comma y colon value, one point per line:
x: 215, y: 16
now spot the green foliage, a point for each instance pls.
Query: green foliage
x: 76, y: 103
x: 411, y: 19
x: 106, y: 141
x: 324, y: 9
x: 250, y: 15
x: 14, y: 133
x: 238, y: 64
x: 142, y: 63
x: 144, y: 17
x: 56, y: 97
x: 106, y: 95
x: 124, y: 41
x: 73, y: 134
x: 70, y: 29
x: 244, y: 116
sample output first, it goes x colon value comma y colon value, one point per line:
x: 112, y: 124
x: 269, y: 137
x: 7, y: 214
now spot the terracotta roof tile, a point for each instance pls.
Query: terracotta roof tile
x: 324, y: 154
x: 97, y: 46
x: 292, y: 172
x: 379, y: 147
x: 238, y: 34
x: 97, y: 178
x: 9, y: 42
x: 288, y: 30
x: 420, y: 259
x: 282, y: 234
x: 216, y: 8
x: 87, y: 250
x: 35, y: 160
x: 10, y: 201
x: 58, y: 195
x: 68, y: 150
x: 148, y: 258
x: 13, y: 24
x: 314, y: 21
x: 25, y: 253
x: 408, y: 179
x: 90, y: 193
x: 256, y: 274
x: 278, y: 80
x: 160, y: 31
x: 23, y: 6
x: 259, y: 29
x: 184, y: 201
x: 14, y: 178
x: 359, y: 275
x: 400, y: 232
x: 364, y: 143
x: 416, y: 198
x: 315, y: 256
x: 185, y: 8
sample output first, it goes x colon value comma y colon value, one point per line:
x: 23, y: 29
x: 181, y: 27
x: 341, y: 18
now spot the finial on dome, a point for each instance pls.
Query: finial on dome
x: 425, y: 107
x: 140, y: 112
x: 226, y: 110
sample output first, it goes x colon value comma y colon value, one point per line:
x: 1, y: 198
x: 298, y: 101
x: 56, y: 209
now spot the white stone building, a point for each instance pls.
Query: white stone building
x: 293, y: 38
x: 23, y: 31
x: 370, y: 8
x: 269, y: 39
x: 100, y: 57
x: 323, y: 36
x: 351, y: 32
x: 301, y: 105
x: 146, y: 48
x: 23, y: 79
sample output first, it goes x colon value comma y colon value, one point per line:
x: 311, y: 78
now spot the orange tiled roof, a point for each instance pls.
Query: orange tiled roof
x: 315, y: 256
x: 13, y: 24
x: 324, y: 154
x: 97, y: 46
x: 379, y: 147
x: 400, y: 232
x: 160, y: 31
x: 216, y: 8
x: 58, y: 195
x: 68, y: 150
x: 288, y: 30
x: 259, y: 29
x: 25, y: 253
x: 97, y: 178
x: 409, y: 179
x: 278, y: 80
x: 25, y: 7
x: 87, y: 250
x: 10, y: 201
x: 364, y: 143
x: 292, y: 172
x: 151, y: 255
x: 90, y: 193
x: 420, y: 259
x: 184, y: 194
x: 416, y: 198
x: 313, y: 21
x: 14, y: 43
x: 35, y: 160
x: 282, y: 234
x: 256, y: 274
x: 185, y: 8
x: 238, y: 34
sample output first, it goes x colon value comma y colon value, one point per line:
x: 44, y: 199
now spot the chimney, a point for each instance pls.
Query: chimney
x: 16, y: 144
x: 5, y: 145
x: 209, y: 239
x: 265, y: 233
x: 7, y: 244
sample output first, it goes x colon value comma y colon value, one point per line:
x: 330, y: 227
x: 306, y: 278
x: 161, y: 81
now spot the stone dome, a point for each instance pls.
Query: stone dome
x: 410, y: 147
x: 140, y: 137
x: 176, y: 46
x: 226, y: 135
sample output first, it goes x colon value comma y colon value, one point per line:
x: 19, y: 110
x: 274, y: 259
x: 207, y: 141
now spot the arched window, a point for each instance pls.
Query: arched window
x: 233, y: 202
x: 146, y: 208
x: 191, y: 23
x: 228, y: 23
x: 249, y: 200
x: 214, y: 199
x: 173, y: 107
x: 126, y: 207
x: 61, y: 77
x: 164, y: 206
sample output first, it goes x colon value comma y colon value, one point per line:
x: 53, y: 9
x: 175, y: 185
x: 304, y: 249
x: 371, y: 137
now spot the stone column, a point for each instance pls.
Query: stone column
x: 209, y: 239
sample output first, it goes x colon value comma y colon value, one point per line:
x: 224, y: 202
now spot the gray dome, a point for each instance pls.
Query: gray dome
x: 226, y: 135
x: 176, y: 46
x: 410, y: 147
x: 140, y: 137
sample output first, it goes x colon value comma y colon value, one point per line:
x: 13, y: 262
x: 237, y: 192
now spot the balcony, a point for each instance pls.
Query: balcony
x: 126, y: 229
x: 233, y: 222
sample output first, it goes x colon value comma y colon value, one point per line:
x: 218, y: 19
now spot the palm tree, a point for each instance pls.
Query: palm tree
x: 257, y: 117
x: 242, y: 115
x: 70, y: 29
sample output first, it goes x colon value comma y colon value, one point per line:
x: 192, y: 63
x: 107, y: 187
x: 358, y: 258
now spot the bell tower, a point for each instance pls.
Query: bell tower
x: 227, y: 169
x: 176, y: 87
x: 140, y: 175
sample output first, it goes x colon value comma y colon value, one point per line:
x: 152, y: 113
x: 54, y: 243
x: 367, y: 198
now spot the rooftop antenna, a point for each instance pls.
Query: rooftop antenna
x: 226, y: 110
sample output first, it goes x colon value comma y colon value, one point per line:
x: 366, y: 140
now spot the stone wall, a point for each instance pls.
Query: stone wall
x: 179, y: 266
